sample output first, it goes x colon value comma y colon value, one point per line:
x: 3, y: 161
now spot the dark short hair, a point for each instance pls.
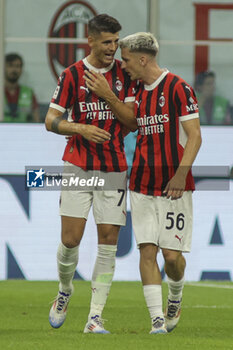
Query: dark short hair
x: 103, y: 23
x: 11, y: 57
x: 200, y: 77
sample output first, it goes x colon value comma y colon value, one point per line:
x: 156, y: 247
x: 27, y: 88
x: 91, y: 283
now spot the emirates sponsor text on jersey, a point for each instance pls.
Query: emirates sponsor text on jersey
x: 152, y: 124
x: 96, y: 110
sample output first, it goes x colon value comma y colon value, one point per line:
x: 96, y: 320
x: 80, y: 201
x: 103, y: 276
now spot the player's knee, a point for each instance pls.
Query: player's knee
x: 108, y: 234
x: 70, y: 243
x: 70, y: 238
x: 72, y: 231
x: 147, y: 253
x: 171, y: 263
x: 171, y: 258
x: 108, y: 239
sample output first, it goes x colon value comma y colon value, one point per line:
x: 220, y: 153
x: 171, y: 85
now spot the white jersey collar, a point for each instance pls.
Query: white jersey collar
x: 157, y: 81
x: 98, y: 70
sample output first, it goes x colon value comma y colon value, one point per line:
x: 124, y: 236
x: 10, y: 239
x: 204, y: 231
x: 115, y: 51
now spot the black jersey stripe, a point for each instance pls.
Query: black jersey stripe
x: 114, y: 79
x: 69, y: 97
x: 187, y: 94
x: 77, y: 141
x: 115, y: 161
x: 101, y: 124
x: 89, y: 157
x: 150, y: 147
x: 186, y: 91
x: 173, y: 121
x: 75, y: 76
x: 86, y: 143
x: 121, y: 140
x: 101, y: 157
x: 99, y: 147
x: 127, y: 81
x: 141, y: 163
x: 165, y: 170
x: 178, y: 103
x: 139, y: 99
x: 76, y: 112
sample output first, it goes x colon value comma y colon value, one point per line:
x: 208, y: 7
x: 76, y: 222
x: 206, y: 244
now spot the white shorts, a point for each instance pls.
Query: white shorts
x: 109, y: 206
x: 164, y: 222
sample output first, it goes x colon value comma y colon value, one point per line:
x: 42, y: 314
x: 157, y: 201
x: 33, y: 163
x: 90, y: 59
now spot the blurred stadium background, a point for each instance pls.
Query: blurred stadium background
x: 193, y: 36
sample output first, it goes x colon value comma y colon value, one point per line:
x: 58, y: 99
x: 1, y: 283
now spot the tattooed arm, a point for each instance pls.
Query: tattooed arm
x: 55, y: 123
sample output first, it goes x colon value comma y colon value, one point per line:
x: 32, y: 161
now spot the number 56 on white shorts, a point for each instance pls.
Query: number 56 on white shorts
x: 164, y: 222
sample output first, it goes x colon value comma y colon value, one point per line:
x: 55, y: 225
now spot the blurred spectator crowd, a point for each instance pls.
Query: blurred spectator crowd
x: 21, y: 104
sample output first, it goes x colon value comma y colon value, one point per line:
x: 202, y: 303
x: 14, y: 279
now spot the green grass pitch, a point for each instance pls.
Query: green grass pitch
x: 206, y: 321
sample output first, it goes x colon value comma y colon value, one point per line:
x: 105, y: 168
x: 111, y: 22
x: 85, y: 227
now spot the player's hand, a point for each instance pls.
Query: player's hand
x: 97, y: 83
x: 93, y: 133
x: 175, y: 187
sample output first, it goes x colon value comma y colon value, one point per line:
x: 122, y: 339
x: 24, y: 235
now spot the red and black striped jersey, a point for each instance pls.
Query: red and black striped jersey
x: 160, y: 108
x: 86, y: 107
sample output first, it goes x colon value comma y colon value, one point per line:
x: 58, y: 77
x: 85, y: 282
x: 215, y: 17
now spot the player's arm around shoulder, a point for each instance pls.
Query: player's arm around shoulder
x: 55, y: 123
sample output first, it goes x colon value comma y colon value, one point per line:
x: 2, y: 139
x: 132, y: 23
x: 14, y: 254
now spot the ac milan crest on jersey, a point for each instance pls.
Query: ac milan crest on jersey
x: 70, y: 21
x: 119, y: 85
x: 162, y: 101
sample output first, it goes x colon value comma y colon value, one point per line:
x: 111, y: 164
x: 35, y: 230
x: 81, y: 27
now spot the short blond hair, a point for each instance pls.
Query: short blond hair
x: 140, y: 42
